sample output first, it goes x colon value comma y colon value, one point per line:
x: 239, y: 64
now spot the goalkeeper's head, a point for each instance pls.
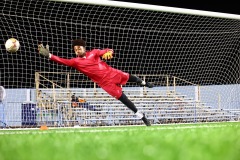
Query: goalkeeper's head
x: 79, y: 47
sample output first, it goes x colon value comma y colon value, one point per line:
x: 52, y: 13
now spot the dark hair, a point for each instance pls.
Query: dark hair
x: 78, y: 42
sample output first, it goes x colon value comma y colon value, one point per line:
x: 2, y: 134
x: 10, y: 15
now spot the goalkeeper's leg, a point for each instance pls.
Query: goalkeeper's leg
x: 139, y: 81
x: 131, y: 106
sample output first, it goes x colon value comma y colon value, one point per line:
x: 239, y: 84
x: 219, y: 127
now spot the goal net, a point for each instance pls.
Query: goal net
x: 191, y: 57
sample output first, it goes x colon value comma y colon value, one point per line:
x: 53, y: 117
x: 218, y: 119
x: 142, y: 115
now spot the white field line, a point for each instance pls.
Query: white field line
x: 117, y: 129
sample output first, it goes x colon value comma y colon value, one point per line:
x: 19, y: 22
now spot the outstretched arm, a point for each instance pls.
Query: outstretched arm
x: 46, y: 53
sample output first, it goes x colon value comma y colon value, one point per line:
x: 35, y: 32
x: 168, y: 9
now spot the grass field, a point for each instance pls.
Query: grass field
x: 208, y: 141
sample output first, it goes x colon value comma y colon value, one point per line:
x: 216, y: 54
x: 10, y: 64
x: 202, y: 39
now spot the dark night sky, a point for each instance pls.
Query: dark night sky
x: 231, y: 6
x: 201, y: 53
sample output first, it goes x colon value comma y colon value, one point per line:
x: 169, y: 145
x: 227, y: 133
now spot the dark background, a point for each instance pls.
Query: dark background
x: 200, y: 50
x: 230, y: 6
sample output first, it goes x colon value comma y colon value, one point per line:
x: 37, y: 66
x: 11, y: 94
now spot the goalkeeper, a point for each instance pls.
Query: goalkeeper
x: 90, y: 64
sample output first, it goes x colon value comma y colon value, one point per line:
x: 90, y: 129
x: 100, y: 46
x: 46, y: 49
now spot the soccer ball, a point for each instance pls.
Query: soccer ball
x: 12, y: 45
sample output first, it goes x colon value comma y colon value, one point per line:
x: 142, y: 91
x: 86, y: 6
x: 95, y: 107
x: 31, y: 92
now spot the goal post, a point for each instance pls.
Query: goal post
x: 191, y: 56
x: 154, y: 8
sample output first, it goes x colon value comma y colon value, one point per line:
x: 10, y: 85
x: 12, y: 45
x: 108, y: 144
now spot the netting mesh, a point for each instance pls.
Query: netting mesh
x: 192, y: 60
x: 203, y: 50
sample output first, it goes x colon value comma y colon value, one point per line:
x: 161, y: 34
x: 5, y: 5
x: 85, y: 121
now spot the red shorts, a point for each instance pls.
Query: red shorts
x: 112, y: 85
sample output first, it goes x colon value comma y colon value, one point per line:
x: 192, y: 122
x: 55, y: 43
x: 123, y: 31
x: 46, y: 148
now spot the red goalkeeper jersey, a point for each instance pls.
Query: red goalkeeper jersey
x: 92, y: 66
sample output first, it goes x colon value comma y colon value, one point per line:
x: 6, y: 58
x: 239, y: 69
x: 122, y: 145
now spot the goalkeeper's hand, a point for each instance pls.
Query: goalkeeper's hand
x: 108, y: 55
x: 43, y: 51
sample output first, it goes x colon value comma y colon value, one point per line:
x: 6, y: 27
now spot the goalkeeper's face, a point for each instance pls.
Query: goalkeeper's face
x: 80, y: 51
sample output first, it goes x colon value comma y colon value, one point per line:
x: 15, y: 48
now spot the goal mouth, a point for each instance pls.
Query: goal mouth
x: 184, y: 53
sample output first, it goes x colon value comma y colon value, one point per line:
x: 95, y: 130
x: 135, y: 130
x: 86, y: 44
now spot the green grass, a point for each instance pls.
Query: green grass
x: 209, y: 141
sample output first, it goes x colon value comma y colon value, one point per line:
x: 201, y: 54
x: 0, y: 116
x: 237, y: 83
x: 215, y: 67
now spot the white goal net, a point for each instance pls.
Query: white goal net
x: 191, y: 57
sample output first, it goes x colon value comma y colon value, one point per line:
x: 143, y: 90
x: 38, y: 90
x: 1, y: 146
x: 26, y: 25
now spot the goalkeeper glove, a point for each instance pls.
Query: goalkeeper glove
x: 43, y: 51
x: 108, y: 55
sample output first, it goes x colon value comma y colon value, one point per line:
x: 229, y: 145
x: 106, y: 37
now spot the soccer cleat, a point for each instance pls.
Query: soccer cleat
x: 147, y: 84
x: 145, y: 120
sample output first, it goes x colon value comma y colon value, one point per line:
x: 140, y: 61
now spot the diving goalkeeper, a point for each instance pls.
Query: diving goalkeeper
x: 109, y: 79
